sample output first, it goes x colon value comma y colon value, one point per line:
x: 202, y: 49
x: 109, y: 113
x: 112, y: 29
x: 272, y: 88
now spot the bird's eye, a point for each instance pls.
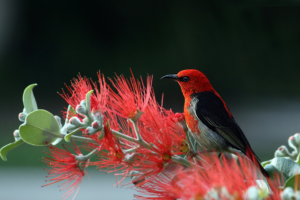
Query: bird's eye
x: 185, y: 79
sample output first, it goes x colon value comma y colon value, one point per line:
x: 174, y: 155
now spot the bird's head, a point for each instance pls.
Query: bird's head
x: 191, y: 81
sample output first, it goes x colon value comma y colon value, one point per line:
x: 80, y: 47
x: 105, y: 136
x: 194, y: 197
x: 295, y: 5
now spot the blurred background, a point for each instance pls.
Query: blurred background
x: 249, y: 52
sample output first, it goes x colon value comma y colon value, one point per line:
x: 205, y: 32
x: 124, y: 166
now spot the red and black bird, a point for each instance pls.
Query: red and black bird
x: 208, y: 118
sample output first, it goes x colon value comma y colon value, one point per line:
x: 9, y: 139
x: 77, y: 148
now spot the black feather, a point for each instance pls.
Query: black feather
x: 211, y: 110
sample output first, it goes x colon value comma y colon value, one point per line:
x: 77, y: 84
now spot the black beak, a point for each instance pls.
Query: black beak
x: 173, y: 76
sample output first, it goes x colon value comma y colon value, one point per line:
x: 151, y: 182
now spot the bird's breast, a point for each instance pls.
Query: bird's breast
x: 190, y: 116
x: 207, y: 138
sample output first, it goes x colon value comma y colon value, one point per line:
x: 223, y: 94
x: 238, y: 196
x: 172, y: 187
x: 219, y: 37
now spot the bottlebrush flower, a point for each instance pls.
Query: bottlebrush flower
x: 160, y: 128
x: 224, y: 179
x: 65, y: 168
x: 111, y: 155
x: 81, y: 86
x: 132, y: 96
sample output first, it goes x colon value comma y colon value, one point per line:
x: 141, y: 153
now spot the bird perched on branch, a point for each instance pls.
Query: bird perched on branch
x: 208, y: 118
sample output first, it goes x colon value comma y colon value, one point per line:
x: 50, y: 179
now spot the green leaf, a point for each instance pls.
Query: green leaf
x: 287, y: 167
x: 88, y: 102
x: 266, y: 162
x: 69, y: 112
x: 298, y: 159
x: 293, y: 182
x: 272, y: 171
x: 29, y: 100
x: 68, y: 136
x: 4, y: 150
x: 40, y: 128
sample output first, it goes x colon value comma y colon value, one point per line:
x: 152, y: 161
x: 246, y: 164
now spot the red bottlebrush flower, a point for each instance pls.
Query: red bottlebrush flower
x: 131, y: 96
x: 165, y: 137
x: 223, y: 178
x: 111, y: 154
x: 160, y: 128
x: 65, y: 168
x: 81, y: 86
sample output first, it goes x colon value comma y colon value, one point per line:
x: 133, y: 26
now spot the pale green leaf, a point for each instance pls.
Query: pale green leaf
x: 68, y: 136
x: 88, y: 102
x: 40, y: 128
x: 298, y: 159
x: 287, y: 167
x: 272, y: 171
x: 4, y: 150
x: 293, y: 182
x: 29, y: 100
x: 266, y: 162
x: 70, y: 111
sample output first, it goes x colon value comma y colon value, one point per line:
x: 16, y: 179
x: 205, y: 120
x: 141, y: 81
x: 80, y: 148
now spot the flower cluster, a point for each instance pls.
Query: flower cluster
x: 131, y: 135
x: 65, y: 167
x: 228, y: 178
x: 135, y: 137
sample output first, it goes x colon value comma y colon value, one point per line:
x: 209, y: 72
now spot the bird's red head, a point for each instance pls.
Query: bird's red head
x: 191, y: 81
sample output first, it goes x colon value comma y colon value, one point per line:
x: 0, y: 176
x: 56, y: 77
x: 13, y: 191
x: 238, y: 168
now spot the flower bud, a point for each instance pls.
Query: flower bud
x: 252, y: 193
x: 70, y: 127
x: 136, y: 177
x: 16, y: 133
x: 58, y: 120
x: 297, y: 194
x: 83, y: 103
x: 96, y: 125
x: 80, y: 109
x: 282, y: 152
x: 90, y: 130
x: 288, y: 194
x: 98, y: 116
x: 75, y: 121
x: 22, y: 116
x: 129, y: 158
x: 293, y: 142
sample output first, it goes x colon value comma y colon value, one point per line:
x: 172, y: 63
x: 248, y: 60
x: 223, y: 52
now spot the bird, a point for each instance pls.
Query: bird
x: 208, y: 118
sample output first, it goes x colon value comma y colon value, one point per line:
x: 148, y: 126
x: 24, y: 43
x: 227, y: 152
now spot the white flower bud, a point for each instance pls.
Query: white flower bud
x: 136, y: 177
x: 252, y: 193
x: 70, y: 127
x: 22, y: 116
x: 293, y: 143
x: 297, y: 195
x: 81, y: 109
x: 90, y: 130
x: 75, y: 121
x: 98, y: 116
x: 288, y: 194
x: 83, y: 103
x: 16, y: 133
x: 129, y: 158
x: 282, y: 152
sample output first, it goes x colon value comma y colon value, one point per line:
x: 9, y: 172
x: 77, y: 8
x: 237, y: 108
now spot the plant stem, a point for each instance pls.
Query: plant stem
x: 83, y: 139
x: 123, y: 136
x: 139, y: 139
x: 183, y: 161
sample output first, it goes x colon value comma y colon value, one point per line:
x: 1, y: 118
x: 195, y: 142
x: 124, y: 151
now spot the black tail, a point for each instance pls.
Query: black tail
x: 253, y: 157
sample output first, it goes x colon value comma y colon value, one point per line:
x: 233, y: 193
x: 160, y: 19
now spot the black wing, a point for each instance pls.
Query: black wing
x: 211, y: 111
